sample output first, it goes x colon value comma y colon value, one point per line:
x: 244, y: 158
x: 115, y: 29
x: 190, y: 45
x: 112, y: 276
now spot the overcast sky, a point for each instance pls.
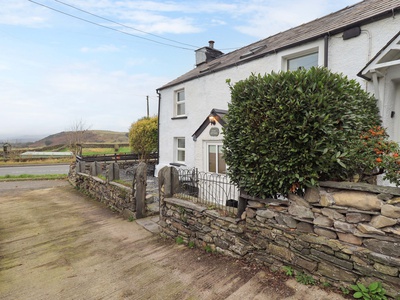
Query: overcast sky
x: 97, y: 60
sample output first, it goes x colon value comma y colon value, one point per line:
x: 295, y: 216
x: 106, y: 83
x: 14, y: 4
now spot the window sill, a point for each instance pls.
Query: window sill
x: 177, y: 164
x: 179, y: 118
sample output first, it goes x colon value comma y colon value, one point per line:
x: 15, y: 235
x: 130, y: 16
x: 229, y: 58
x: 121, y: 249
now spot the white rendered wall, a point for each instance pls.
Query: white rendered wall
x: 207, y: 92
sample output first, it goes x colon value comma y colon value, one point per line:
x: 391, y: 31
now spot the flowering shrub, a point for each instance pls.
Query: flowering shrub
x: 376, y: 154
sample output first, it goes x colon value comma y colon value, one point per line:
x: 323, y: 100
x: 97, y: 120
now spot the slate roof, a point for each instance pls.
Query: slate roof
x: 361, y: 13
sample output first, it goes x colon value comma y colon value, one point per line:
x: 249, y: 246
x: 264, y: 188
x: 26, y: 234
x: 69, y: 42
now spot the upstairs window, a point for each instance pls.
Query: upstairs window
x: 305, y: 61
x: 180, y: 103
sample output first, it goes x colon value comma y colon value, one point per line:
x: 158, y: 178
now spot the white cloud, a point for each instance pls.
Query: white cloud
x: 23, y: 13
x: 104, y: 99
x: 265, y: 18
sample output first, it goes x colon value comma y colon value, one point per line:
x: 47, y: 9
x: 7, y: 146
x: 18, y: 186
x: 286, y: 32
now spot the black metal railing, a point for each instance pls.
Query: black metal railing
x: 210, y: 189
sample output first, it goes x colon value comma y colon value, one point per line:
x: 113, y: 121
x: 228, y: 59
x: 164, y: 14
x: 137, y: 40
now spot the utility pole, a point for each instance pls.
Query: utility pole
x: 148, y: 114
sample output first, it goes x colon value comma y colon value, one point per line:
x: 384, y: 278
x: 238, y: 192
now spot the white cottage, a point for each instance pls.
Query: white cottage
x: 361, y: 41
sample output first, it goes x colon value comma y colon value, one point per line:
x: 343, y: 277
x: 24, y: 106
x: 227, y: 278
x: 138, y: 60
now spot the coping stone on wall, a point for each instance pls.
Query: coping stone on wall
x: 312, y: 195
x: 357, y: 199
x: 360, y: 186
x: 185, y: 204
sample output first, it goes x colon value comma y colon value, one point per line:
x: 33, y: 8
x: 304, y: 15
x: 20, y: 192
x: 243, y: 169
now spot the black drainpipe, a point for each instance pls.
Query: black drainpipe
x: 158, y: 127
x: 326, y: 38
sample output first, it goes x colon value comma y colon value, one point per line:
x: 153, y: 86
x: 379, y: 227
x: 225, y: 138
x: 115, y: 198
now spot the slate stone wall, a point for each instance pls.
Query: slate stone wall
x: 116, y: 196
x: 340, y: 233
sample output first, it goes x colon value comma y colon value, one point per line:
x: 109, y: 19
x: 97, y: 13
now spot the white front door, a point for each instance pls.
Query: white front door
x: 215, y: 160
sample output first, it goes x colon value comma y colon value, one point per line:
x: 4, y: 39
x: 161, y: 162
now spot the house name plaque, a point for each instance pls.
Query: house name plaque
x: 214, y: 131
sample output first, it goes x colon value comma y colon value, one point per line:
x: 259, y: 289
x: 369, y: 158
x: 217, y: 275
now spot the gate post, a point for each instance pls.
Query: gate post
x: 95, y: 168
x: 112, y: 172
x: 80, y: 167
x: 139, y: 184
x: 242, y: 204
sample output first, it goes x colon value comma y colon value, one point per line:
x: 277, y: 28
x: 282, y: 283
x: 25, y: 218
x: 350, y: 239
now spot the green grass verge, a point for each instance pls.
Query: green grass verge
x: 32, y: 177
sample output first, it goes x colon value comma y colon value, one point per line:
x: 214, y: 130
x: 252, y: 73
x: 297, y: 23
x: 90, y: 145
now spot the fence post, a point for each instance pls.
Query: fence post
x: 80, y: 167
x: 95, y: 168
x: 168, y: 183
x: 140, y: 183
x: 241, y: 205
x: 112, y: 172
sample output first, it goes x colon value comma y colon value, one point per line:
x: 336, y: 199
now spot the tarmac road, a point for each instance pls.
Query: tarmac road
x: 34, y: 170
x: 56, y: 243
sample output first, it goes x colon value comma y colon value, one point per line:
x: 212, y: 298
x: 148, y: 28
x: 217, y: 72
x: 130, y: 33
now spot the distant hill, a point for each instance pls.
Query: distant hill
x: 91, y: 137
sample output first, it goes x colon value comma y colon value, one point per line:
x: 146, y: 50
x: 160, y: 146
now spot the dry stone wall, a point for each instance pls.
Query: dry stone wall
x: 116, y: 196
x: 341, y: 233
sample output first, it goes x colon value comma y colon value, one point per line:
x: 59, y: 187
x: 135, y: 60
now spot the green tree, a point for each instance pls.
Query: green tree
x: 288, y: 130
x: 143, y: 137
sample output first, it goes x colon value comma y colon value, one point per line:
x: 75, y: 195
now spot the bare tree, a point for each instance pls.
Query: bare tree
x: 76, y: 135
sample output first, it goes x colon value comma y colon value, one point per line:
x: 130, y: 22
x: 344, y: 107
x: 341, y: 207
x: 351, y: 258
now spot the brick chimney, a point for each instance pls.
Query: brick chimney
x: 207, y: 54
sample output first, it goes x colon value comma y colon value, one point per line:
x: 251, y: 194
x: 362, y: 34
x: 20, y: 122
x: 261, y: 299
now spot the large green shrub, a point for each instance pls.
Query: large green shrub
x: 143, y: 136
x: 291, y: 129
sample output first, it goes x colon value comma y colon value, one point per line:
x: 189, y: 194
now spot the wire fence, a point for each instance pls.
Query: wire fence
x: 210, y: 189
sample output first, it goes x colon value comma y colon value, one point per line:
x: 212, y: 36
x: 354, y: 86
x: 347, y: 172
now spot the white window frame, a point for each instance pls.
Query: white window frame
x: 177, y: 103
x: 217, y: 144
x: 178, y: 149
x: 314, y: 47
x: 288, y: 60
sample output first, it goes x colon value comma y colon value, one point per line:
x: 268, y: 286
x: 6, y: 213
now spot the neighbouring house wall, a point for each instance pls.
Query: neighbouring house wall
x: 350, y: 56
x: 341, y: 233
x: 116, y: 196
x: 355, y: 53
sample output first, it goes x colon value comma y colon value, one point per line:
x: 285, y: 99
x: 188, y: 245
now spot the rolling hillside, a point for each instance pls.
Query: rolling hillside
x: 91, y: 137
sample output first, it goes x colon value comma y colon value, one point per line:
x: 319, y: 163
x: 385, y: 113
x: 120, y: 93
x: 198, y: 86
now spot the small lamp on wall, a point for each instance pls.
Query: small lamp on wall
x: 212, y: 120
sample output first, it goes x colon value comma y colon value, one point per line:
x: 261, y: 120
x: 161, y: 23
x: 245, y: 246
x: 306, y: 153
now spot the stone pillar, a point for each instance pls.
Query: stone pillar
x: 95, y: 168
x: 168, y: 182
x: 80, y: 167
x: 112, y: 172
x: 139, y: 185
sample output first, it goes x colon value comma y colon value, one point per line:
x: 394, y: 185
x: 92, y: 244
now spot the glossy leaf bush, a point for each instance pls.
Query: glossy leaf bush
x: 288, y: 130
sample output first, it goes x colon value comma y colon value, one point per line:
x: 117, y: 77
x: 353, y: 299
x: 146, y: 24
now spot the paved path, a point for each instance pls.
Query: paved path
x: 57, y: 244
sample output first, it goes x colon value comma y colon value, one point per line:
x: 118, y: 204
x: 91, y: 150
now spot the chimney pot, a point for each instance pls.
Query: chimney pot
x: 211, y: 44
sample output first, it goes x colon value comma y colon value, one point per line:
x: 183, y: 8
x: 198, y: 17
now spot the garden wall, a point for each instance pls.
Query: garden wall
x: 116, y: 196
x: 340, y: 233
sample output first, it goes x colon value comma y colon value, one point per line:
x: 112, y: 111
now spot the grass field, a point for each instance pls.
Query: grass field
x: 36, y: 161
x: 101, y: 151
x: 16, y: 160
